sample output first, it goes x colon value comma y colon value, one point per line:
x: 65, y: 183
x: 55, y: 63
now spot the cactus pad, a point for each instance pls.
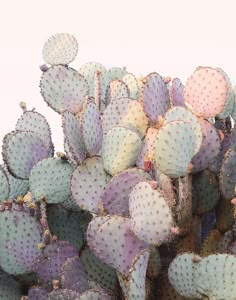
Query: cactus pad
x: 177, y: 92
x: 37, y: 293
x: 9, y: 288
x: 130, y: 80
x: 116, y: 89
x: 4, y: 185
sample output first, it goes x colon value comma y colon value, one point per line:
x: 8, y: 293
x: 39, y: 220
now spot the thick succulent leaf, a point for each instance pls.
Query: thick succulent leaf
x: 151, y: 217
x: 4, y: 185
x: 92, y: 131
x: 120, y: 149
x: 9, y: 288
x: 64, y: 88
x: 73, y: 137
x: 87, y: 184
x: 130, y: 80
x: 177, y: 92
x: 60, y: 49
x: 22, y: 150
x: 93, y: 294
x: 114, y: 243
x: 51, y: 178
x: 215, y: 276
x: 20, y: 234
x: 116, y: 89
x: 125, y: 112
x: 175, y: 145
x: 181, y: 274
x: 206, y: 92
x: 155, y: 97
x: 115, y: 197
x: 37, y: 293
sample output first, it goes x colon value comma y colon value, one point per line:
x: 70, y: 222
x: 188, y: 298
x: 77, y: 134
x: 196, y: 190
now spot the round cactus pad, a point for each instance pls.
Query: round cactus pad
x: 64, y: 88
x: 130, y: 80
x: 87, y: 184
x: 155, y: 97
x: 51, y: 178
x: 120, y: 149
x: 116, y: 89
x: 92, y: 130
x: 177, y: 92
x: 175, y: 145
x: 22, y: 151
x: 206, y: 92
x: 115, y: 244
x: 151, y: 217
x: 4, y: 185
x: 125, y: 112
x: 73, y: 136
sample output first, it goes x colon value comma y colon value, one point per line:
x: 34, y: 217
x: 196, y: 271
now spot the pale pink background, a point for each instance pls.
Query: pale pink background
x: 169, y: 37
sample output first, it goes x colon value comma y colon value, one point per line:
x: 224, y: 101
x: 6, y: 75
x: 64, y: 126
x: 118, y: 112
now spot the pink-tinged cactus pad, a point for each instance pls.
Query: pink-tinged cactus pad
x: 87, y: 184
x: 115, y: 244
x: 206, y: 92
x: 125, y: 112
x: 175, y: 146
x: 181, y: 274
x: 73, y: 137
x: 151, y: 217
x: 22, y: 151
x: 4, y: 185
x: 92, y: 131
x: 60, y: 49
x: 209, y: 149
x: 120, y: 149
x: 155, y: 97
x: 115, y: 197
x: 93, y: 294
x: 116, y: 89
x: 177, y: 92
x: 135, y: 288
x: 64, y: 89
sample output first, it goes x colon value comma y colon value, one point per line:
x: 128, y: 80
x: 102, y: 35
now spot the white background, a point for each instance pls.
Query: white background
x: 171, y: 38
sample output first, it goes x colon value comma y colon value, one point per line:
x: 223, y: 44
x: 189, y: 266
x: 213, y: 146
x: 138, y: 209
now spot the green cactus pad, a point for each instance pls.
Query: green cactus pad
x: 99, y: 272
x: 205, y: 191
x: 93, y: 294
x: 175, y: 146
x: 114, y: 243
x: 215, y: 276
x: 73, y: 137
x: 115, y: 197
x: 70, y: 226
x: 51, y: 178
x: 177, y: 92
x: 92, y: 130
x: 19, y: 236
x: 87, y: 183
x: 224, y: 215
x: 228, y: 175
x: 9, y: 288
x: 74, y: 275
x: 4, y: 185
x: 116, y: 73
x: 22, y: 150
x: 60, y: 49
x: 64, y: 88
x: 131, y: 81
x: 181, y: 274
x: 37, y: 293
x: 125, y: 112
x: 151, y: 217
x: 135, y: 288
x: 155, y: 97
x: 71, y: 205
x: 206, y: 92
x: 120, y: 149
x: 35, y: 122
x: 116, y: 89
x: 64, y: 295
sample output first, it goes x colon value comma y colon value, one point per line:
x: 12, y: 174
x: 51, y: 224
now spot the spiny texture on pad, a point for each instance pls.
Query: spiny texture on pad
x: 125, y: 112
x: 37, y: 293
x: 175, y: 145
x: 177, y: 92
x: 215, y: 276
x: 64, y: 295
x: 9, y: 288
x: 50, y: 178
x: 92, y: 130
x: 4, y: 185
x: 60, y: 49
x: 206, y: 92
x: 155, y: 97
x: 93, y: 294
x: 151, y: 217
x: 87, y: 184
x: 115, y: 197
x: 20, y: 234
x: 73, y: 137
x: 116, y: 89
x: 130, y: 80
x: 22, y: 150
x: 64, y: 88
x: 120, y: 149
x: 181, y: 274
x: 114, y: 243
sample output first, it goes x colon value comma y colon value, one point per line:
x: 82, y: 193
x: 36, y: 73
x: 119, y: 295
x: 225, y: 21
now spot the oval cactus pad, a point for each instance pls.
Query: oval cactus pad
x: 116, y: 89
x: 120, y: 149
x: 64, y: 88
x: 4, y: 185
x: 177, y: 92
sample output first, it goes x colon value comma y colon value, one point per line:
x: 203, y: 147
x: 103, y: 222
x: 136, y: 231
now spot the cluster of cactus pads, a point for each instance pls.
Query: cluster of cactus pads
x: 141, y: 202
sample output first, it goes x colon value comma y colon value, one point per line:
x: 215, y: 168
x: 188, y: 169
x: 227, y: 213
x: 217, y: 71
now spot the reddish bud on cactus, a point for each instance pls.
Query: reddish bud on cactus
x: 147, y: 165
x: 153, y: 184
